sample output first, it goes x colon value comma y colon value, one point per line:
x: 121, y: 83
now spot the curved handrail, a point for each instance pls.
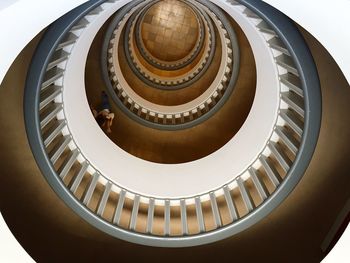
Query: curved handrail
x: 187, y: 80
x: 174, y: 118
x: 180, y: 81
x: 9, y: 51
x: 306, y: 73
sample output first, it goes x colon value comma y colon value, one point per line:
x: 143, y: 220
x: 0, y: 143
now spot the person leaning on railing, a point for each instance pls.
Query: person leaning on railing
x: 104, y: 116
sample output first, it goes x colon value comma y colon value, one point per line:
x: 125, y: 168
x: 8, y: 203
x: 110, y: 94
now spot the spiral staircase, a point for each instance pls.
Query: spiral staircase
x: 221, y: 138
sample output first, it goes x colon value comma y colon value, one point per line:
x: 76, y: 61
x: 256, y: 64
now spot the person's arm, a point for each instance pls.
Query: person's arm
x: 110, y: 118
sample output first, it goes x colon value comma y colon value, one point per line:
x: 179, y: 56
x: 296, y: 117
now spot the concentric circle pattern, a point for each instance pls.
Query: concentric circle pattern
x: 173, y: 71
x: 179, y: 116
x: 185, y: 204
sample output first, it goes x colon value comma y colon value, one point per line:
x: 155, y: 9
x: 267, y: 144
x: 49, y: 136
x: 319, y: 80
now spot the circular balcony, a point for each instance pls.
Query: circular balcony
x: 184, y: 204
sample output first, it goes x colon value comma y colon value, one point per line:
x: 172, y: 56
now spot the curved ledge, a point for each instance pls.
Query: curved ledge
x: 181, y: 116
x: 166, y: 83
x: 312, y: 109
x: 184, y: 80
x: 178, y: 82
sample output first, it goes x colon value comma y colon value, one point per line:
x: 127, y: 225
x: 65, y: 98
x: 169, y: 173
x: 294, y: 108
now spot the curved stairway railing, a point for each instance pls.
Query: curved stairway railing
x: 138, y: 68
x: 148, y: 220
x: 181, y: 116
x: 173, y: 83
x: 156, y: 81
